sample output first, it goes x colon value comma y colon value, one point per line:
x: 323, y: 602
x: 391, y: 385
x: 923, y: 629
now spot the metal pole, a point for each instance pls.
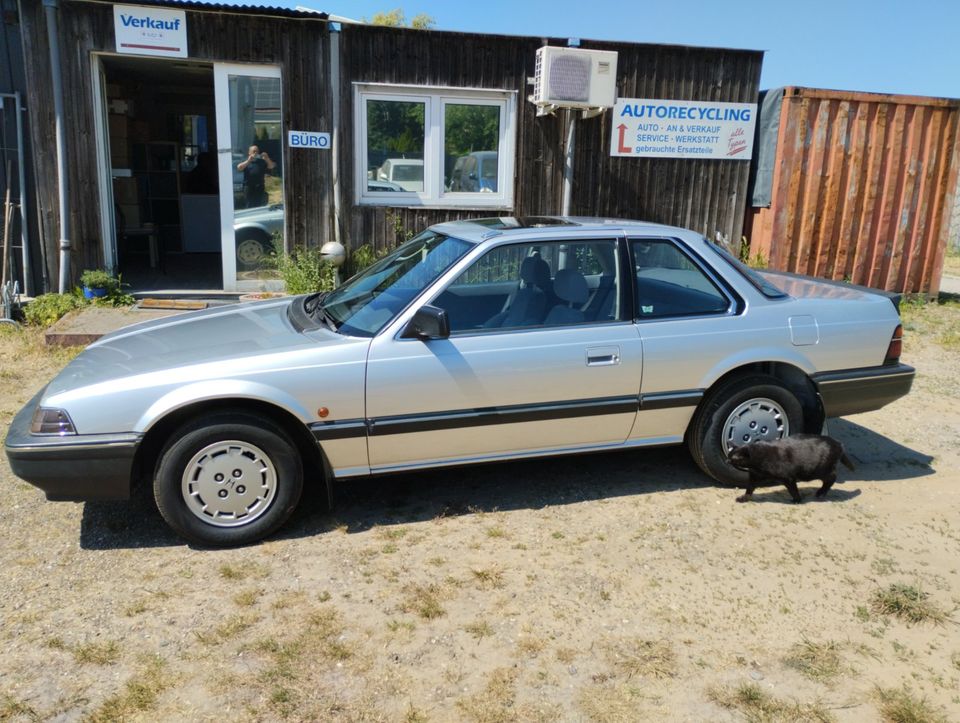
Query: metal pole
x: 52, y: 8
x: 24, y: 232
x: 335, y: 142
x: 568, y: 163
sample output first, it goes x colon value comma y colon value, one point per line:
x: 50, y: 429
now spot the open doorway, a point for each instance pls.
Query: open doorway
x: 161, y: 128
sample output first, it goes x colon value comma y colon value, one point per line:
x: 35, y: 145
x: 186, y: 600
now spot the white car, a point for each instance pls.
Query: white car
x: 405, y: 172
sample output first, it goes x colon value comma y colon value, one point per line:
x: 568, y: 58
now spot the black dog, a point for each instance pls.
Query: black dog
x: 799, y: 458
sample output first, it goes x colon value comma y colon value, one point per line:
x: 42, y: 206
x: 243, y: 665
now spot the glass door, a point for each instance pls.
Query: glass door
x: 250, y: 164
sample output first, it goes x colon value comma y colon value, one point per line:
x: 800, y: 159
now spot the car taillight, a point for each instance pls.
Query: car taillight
x: 896, y: 346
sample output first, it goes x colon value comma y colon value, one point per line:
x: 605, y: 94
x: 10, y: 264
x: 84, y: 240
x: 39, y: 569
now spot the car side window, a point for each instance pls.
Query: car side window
x: 534, y: 285
x: 669, y: 283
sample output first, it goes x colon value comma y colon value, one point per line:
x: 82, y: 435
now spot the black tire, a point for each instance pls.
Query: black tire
x: 706, y: 436
x: 271, y: 479
x: 247, y: 241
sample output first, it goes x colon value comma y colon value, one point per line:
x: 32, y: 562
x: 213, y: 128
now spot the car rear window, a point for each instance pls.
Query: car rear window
x: 757, y: 279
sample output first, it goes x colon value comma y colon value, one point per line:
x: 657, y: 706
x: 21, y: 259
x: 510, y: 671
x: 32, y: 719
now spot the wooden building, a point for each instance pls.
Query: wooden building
x: 273, y: 128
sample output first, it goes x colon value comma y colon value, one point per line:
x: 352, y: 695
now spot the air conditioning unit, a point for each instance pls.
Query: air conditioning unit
x: 575, y: 78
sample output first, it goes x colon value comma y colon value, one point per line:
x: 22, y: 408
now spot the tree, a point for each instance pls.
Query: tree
x: 396, y: 19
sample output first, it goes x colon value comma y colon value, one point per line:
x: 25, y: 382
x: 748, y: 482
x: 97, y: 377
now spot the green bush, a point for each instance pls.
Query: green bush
x: 362, y: 257
x: 304, y: 271
x: 98, y: 279
x: 48, y: 308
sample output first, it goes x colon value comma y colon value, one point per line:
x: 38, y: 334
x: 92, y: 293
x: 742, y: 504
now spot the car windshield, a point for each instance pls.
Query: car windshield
x: 407, y: 173
x: 364, y: 304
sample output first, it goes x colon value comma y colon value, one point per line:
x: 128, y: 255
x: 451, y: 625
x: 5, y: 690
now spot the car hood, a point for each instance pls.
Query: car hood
x: 223, y: 334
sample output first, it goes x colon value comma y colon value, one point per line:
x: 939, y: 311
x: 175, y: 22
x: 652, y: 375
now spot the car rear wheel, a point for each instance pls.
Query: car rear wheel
x: 741, y: 411
x: 228, y: 480
x: 252, y: 250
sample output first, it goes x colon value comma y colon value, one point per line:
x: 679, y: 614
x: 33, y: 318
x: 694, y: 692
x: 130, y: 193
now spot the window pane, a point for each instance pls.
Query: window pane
x: 531, y: 285
x: 471, y: 155
x: 395, y: 139
x: 257, y: 157
x: 669, y: 284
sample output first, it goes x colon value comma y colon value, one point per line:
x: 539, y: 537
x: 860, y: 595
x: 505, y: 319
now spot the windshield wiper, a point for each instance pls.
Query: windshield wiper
x: 314, y: 307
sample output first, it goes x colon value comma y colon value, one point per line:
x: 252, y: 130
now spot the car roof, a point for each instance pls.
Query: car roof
x: 480, y: 229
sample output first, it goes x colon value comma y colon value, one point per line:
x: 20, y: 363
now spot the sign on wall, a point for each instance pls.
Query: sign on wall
x: 682, y: 129
x: 308, y: 139
x: 150, y: 31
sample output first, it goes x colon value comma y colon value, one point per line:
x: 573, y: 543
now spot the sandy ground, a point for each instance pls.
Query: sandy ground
x: 607, y: 587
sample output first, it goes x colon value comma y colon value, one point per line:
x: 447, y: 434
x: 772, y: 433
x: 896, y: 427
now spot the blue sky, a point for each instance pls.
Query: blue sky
x: 910, y: 46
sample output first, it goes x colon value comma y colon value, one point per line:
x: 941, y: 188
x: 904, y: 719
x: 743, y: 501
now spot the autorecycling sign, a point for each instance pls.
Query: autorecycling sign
x: 682, y: 129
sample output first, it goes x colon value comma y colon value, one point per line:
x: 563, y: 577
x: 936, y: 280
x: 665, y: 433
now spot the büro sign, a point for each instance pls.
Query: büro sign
x: 150, y: 31
x: 308, y: 139
x: 682, y: 129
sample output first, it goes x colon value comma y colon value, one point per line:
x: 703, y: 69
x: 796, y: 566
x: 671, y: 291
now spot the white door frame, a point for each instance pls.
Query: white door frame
x: 221, y: 87
x: 108, y: 231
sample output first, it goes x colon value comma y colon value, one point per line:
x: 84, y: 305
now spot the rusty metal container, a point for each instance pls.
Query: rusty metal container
x: 863, y: 186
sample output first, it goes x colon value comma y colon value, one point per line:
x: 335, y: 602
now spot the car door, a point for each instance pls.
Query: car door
x: 556, y: 365
x: 687, y: 318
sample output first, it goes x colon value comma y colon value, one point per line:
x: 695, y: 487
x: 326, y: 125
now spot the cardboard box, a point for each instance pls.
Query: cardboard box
x: 125, y: 190
x: 131, y: 215
x: 118, y: 125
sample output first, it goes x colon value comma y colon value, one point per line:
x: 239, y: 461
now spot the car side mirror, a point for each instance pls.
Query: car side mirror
x: 430, y: 322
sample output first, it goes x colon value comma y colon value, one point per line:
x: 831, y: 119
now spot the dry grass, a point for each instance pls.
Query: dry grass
x: 424, y: 600
x: 821, y: 662
x: 496, y: 702
x: 909, y: 603
x: 900, y: 705
x: 229, y: 629
x: 758, y: 706
x: 614, y: 704
x: 480, y: 629
x: 140, y: 693
x: 491, y: 577
x: 639, y: 657
x: 938, y: 321
x: 97, y: 653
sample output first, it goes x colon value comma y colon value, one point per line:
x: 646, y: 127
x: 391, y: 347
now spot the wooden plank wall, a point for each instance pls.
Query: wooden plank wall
x: 863, y: 189
x: 707, y: 195
x: 702, y: 194
x: 298, y: 46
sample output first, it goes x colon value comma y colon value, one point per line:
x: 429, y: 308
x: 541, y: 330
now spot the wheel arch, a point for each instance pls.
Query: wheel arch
x: 154, y: 439
x: 795, y: 379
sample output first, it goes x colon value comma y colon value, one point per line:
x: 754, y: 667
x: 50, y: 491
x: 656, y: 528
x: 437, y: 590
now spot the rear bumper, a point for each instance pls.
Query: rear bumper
x: 75, y: 468
x: 852, y: 391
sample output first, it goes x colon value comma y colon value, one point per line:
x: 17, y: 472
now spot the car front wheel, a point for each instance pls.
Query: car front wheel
x: 741, y: 411
x: 228, y: 480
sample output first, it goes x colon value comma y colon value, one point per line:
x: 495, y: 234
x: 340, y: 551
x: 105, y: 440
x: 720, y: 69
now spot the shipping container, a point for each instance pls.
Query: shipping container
x: 859, y: 187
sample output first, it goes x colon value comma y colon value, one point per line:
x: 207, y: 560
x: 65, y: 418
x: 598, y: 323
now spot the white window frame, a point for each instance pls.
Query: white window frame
x: 436, y: 99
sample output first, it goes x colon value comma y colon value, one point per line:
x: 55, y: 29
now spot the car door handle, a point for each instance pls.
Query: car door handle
x: 603, y: 356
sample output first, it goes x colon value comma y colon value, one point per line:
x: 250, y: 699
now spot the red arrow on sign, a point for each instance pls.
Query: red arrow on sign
x: 623, y: 129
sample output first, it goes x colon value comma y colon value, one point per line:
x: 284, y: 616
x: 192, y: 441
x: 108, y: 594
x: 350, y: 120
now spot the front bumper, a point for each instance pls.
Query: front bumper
x: 862, y: 390
x: 77, y: 467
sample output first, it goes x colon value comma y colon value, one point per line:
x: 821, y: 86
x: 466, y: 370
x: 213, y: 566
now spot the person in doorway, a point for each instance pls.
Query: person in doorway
x: 255, y: 170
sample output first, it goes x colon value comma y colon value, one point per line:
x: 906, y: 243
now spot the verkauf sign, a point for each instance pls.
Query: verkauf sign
x: 682, y: 129
x: 150, y: 31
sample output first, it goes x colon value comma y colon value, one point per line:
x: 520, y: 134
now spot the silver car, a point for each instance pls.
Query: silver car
x: 478, y: 340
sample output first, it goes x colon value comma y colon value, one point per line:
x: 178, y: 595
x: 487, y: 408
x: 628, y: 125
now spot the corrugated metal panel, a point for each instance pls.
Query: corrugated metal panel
x: 253, y: 9
x: 863, y: 188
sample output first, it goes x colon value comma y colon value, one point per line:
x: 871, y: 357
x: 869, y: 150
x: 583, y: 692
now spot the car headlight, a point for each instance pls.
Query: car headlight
x: 51, y: 421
